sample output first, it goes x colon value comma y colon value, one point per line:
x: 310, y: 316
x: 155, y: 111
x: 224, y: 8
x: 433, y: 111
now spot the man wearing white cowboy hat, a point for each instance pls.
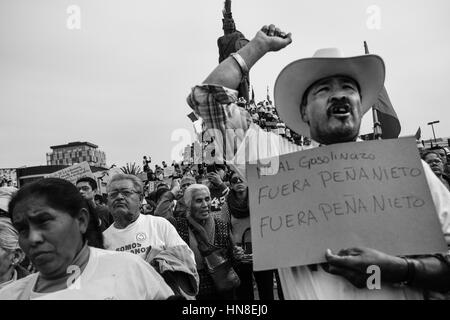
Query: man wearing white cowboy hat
x: 351, y: 85
x: 6, y: 194
x: 324, y: 98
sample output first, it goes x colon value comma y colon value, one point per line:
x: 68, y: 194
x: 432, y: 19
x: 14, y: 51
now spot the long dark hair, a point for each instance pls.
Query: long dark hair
x: 64, y: 196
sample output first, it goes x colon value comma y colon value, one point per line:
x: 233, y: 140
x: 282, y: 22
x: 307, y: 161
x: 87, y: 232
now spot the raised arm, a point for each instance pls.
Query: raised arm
x: 228, y: 73
x: 215, y: 100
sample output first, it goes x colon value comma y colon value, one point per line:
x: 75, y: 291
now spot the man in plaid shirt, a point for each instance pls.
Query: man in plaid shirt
x: 324, y: 98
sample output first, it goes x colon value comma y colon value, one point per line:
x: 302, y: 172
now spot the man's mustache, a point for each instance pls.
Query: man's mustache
x: 342, y: 105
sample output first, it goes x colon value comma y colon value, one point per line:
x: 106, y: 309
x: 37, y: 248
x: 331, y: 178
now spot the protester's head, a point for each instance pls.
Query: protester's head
x: 434, y: 160
x: 87, y: 187
x: 237, y: 184
x: 152, y: 196
x: 10, y: 252
x: 441, y: 152
x: 332, y: 109
x: 160, y: 191
x: 125, y: 194
x: 99, y: 200
x: 220, y: 169
x: 325, y: 97
x: 6, y: 194
x: 186, y: 181
x: 51, y: 218
x: 198, y: 201
x: 159, y: 174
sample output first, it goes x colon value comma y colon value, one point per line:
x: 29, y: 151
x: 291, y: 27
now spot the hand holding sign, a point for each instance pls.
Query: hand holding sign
x: 73, y: 173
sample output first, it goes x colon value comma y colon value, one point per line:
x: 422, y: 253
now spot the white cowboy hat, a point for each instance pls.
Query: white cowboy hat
x: 292, y: 82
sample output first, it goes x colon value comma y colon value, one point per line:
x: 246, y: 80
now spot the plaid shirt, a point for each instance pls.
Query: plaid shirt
x: 218, y: 108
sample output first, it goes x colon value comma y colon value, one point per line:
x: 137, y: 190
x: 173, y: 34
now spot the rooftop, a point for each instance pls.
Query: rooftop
x: 75, y: 144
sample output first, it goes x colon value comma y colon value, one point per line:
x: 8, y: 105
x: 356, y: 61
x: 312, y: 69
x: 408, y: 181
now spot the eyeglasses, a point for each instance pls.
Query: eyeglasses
x: 235, y: 180
x: 84, y: 188
x: 125, y: 193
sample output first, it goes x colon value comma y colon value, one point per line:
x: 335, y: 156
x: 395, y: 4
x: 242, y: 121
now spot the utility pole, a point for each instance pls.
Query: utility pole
x: 432, y: 127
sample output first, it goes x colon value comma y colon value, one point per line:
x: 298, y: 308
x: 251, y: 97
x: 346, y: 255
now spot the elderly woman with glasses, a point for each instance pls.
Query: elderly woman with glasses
x: 52, y: 218
x: 10, y: 254
x: 206, y: 234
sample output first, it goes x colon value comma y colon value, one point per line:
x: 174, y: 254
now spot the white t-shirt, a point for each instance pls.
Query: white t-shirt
x: 155, y: 233
x: 108, y: 276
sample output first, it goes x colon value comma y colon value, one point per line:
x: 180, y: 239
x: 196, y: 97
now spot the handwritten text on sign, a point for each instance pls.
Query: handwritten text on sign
x: 371, y: 194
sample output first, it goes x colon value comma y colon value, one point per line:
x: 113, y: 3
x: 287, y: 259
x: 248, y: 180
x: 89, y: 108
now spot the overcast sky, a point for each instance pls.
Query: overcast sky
x: 121, y: 80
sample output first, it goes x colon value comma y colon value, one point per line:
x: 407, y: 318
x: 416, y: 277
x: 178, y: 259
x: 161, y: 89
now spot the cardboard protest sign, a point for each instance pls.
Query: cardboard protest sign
x: 73, y: 173
x: 368, y: 194
x: 142, y: 176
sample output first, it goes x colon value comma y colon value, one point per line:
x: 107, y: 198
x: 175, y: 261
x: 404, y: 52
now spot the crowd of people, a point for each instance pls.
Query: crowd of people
x: 188, y: 235
x: 264, y: 114
x: 192, y: 247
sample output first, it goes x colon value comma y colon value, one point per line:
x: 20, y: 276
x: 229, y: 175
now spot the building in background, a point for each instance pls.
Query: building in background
x: 76, y: 152
x: 31, y: 174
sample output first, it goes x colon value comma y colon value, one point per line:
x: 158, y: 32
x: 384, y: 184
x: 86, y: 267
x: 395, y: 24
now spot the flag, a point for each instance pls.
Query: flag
x: 418, y: 134
x: 390, y: 125
x: 387, y: 117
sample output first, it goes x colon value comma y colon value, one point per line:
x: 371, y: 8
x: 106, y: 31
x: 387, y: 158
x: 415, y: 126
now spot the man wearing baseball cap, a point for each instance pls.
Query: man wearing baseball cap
x: 324, y: 98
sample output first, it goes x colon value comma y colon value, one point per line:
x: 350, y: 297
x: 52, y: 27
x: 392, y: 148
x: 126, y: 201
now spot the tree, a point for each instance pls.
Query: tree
x: 131, y: 168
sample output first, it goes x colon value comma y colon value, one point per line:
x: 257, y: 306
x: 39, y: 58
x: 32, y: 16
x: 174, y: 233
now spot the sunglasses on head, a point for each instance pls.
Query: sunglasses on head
x: 236, y: 180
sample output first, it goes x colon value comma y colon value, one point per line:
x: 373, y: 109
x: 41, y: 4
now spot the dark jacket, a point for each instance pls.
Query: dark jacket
x: 207, y: 290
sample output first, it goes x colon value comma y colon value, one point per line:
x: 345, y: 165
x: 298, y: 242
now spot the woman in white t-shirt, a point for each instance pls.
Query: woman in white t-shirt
x: 52, y: 218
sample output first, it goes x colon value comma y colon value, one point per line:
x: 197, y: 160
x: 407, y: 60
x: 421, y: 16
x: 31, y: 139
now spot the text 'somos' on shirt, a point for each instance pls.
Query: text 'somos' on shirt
x: 146, y: 233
